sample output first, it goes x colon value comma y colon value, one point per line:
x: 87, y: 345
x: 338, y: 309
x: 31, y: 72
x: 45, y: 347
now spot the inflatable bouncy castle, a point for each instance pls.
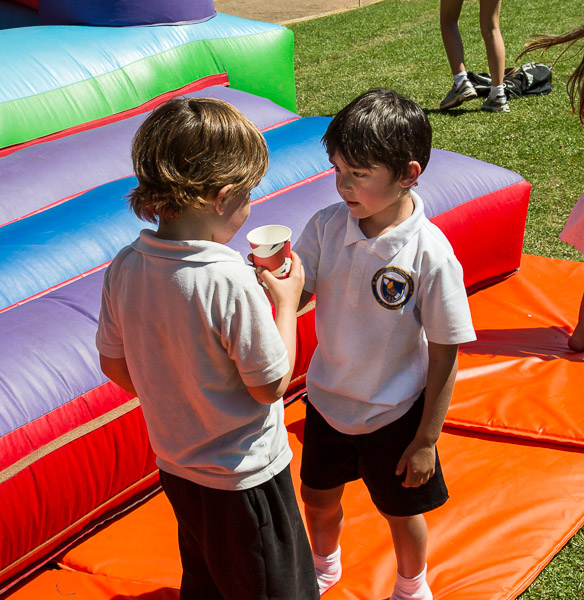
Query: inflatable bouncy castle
x: 81, y: 509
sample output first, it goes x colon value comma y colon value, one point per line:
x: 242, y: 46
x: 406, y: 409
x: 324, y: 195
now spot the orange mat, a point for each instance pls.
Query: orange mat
x: 519, y: 378
x: 59, y: 584
x: 483, y: 542
x: 511, y: 456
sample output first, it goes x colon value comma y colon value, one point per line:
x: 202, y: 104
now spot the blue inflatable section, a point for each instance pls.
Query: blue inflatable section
x: 73, y: 59
x: 88, y: 230
x: 48, y: 354
x: 61, y: 168
x: 58, y: 77
x: 74, y: 308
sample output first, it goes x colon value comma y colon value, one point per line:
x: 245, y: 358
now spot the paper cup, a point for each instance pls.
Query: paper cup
x: 270, y: 245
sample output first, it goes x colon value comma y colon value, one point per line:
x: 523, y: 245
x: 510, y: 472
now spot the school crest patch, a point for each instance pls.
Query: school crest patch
x: 392, y: 287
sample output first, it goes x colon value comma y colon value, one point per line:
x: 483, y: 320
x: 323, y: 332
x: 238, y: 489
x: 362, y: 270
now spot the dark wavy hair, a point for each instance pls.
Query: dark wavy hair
x: 380, y: 128
x: 187, y: 150
x: 575, y: 84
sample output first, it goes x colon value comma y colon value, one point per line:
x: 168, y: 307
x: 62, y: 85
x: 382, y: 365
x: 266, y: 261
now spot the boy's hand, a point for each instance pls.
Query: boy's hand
x: 282, y: 291
x: 419, y: 462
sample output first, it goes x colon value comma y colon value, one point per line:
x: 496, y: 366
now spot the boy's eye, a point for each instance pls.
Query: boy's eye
x: 359, y: 174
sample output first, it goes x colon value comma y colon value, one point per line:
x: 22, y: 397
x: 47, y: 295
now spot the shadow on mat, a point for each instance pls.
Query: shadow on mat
x: 546, y: 343
x: 164, y: 593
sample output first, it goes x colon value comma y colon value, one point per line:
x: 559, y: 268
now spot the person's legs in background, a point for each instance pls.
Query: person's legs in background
x: 495, y: 47
x: 449, y: 15
x: 462, y: 90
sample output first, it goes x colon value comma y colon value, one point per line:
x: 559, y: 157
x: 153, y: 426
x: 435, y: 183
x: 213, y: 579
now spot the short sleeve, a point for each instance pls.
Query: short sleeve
x: 251, y: 337
x: 308, y: 248
x: 108, y: 338
x: 443, y: 304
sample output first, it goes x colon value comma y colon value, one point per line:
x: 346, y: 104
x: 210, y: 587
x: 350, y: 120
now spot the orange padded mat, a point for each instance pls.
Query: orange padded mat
x: 519, y: 378
x: 511, y: 454
x: 511, y: 509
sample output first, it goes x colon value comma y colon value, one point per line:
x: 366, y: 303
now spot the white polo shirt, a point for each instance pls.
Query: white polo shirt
x: 195, y: 329
x: 378, y: 302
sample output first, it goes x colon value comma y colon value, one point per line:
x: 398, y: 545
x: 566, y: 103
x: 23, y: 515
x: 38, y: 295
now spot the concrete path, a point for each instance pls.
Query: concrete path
x: 284, y: 11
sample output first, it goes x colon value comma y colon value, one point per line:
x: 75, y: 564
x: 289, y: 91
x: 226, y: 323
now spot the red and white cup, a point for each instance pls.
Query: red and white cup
x: 270, y: 245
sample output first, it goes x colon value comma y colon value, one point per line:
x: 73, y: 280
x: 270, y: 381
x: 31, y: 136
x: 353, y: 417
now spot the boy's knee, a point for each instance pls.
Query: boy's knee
x: 321, y: 500
x: 489, y: 32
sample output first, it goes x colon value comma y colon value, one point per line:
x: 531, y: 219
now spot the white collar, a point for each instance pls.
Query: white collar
x: 390, y: 243
x: 201, y: 251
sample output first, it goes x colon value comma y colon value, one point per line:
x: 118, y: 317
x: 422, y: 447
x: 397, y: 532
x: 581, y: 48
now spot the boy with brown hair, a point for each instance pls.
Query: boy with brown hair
x: 391, y: 309
x: 185, y: 326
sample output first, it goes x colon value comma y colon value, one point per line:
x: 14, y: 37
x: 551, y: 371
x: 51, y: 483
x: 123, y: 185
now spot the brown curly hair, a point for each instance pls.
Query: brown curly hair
x: 187, y: 150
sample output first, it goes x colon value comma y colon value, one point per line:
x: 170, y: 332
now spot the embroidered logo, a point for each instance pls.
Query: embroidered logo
x: 392, y: 287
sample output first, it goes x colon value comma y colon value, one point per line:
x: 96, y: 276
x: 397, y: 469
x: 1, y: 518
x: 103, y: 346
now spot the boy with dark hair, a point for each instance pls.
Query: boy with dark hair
x: 185, y: 326
x: 391, y: 309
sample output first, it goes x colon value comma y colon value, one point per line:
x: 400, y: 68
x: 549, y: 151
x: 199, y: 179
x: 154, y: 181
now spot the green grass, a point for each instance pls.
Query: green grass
x: 397, y: 44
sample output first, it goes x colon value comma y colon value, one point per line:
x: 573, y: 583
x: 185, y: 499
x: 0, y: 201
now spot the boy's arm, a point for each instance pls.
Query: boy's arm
x: 286, y: 324
x: 419, y: 458
x: 285, y: 294
x: 117, y: 370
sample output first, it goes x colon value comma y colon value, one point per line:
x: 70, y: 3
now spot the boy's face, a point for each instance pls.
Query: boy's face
x: 236, y: 213
x: 369, y: 193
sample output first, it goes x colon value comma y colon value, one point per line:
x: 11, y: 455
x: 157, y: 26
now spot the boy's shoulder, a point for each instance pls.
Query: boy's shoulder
x: 432, y: 234
x: 429, y: 233
x: 431, y: 241
x: 335, y: 213
x: 119, y: 258
x: 224, y: 262
x: 332, y: 210
x: 435, y: 249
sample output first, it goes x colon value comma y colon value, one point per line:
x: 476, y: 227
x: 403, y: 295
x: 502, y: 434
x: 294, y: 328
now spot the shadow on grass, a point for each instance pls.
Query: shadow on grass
x: 452, y: 112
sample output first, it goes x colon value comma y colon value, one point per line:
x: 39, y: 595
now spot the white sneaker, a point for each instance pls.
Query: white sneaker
x: 498, y: 104
x: 457, y: 95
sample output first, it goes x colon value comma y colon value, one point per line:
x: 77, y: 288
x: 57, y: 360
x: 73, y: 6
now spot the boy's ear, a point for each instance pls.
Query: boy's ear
x: 412, y: 173
x: 221, y: 197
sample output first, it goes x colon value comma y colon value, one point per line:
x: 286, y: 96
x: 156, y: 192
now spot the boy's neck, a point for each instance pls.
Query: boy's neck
x: 386, y: 220
x: 187, y: 226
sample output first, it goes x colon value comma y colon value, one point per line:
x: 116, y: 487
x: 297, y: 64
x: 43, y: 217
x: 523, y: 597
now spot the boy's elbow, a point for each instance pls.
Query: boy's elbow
x: 269, y: 393
x: 108, y: 366
x: 116, y: 369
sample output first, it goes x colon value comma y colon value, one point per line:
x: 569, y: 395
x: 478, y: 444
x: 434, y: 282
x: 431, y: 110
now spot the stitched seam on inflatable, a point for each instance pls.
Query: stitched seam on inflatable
x: 67, y: 438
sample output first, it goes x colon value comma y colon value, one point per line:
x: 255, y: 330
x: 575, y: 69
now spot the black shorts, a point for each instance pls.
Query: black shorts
x: 331, y: 458
x: 242, y: 545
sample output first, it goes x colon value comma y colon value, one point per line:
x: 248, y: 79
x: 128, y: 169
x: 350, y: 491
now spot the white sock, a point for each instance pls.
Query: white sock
x: 328, y: 569
x: 460, y: 78
x: 496, y: 90
x: 415, y: 588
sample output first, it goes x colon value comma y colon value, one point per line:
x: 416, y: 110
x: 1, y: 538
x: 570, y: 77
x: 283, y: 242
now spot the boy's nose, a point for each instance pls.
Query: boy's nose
x: 342, y: 181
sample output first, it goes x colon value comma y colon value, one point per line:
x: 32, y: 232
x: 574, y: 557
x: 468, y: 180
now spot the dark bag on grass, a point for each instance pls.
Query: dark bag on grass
x: 529, y: 79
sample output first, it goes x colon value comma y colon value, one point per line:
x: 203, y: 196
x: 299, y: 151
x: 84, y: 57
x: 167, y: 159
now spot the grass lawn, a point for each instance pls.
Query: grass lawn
x: 397, y: 44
